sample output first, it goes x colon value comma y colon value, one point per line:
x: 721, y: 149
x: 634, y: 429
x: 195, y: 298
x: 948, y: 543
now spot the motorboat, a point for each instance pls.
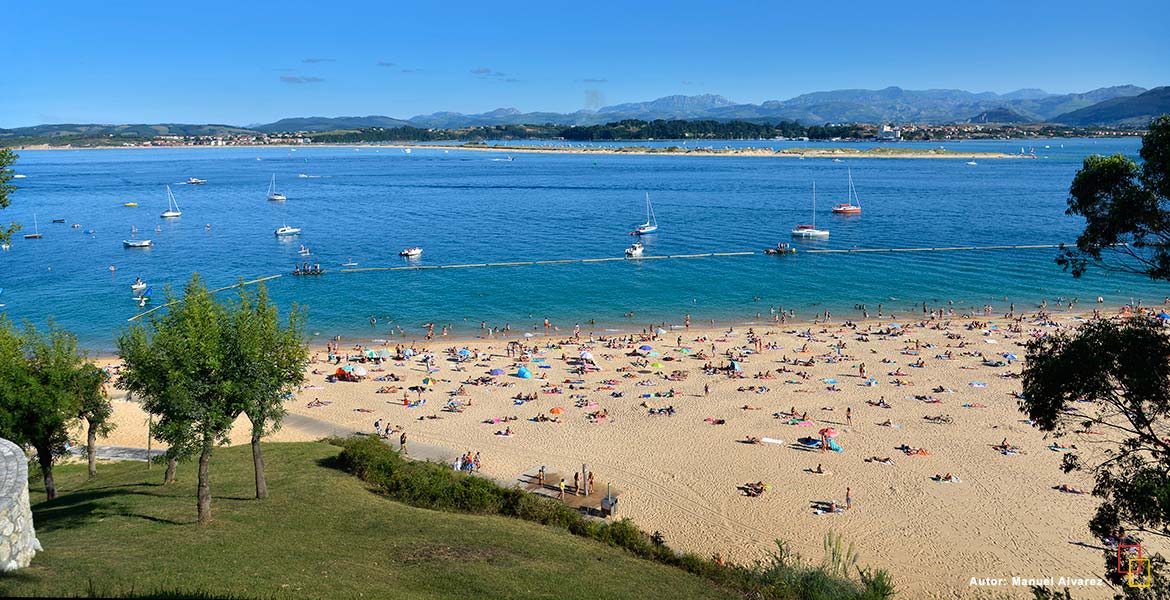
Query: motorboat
x: 58, y: 220
x: 972, y: 163
x: 414, y: 252
x: 137, y: 244
x: 287, y: 231
x: 635, y: 250
x: 195, y: 181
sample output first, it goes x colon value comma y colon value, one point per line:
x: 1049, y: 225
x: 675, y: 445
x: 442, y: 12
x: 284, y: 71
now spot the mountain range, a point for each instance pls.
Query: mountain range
x: 1125, y: 105
x: 892, y: 104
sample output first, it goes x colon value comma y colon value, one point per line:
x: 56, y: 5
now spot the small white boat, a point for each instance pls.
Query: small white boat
x: 172, y: 210
x: 349, y: 263
x: 414, y: 252
x: 36, y: 235
x: 972, y: 163
x: 651, y: 224
x: 137, y: 244
x: 837, y: 160
x: 19, y: 175
x: 274, y: 195
x: 195, y: 181
x: 287, y: 231
x: 635, y: 250
x: 810, y: 232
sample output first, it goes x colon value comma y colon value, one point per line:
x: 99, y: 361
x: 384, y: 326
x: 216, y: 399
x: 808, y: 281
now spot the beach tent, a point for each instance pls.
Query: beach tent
x: 524, y: 373
x: 496, y: 372
x: 736, y: 366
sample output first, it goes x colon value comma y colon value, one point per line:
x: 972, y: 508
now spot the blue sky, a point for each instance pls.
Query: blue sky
x: 251, y: 62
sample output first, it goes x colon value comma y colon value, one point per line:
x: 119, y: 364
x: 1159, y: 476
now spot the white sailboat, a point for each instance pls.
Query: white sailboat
x: 809, y: 232
x: 36, y: 229
x: 651, y: 224
x: 172, y: 206
x: 852, y: 204
x: 274, y: 195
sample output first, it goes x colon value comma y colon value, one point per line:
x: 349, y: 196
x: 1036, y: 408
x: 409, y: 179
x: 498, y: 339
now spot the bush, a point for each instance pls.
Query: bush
x: 435, y: 486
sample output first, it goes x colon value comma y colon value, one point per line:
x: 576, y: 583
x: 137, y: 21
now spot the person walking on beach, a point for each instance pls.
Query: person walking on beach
x: 589, y: 484
x: 576, y: 484
x: 402, y: 443
x: 849, y: 416
x: 540, y: 476
x: 861, y: 370
x: 848, y: 498
x: 561, y: 496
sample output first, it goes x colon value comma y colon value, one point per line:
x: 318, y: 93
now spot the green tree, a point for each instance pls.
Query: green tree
x: 41, y: 395
x: 176, y: 365
x: 7, y: 158
x: 1117, y: 378
x: 1126, y: 207
x: 95, y: 409
x: 266, y: 362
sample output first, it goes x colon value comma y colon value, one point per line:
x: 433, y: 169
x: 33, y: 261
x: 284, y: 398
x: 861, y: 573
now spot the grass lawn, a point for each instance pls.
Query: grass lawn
x: 321, y: 533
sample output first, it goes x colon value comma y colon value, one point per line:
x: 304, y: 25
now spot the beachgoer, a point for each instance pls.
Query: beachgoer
x: 848, y: 498
x: 402, y: 442
x: 562, y: 486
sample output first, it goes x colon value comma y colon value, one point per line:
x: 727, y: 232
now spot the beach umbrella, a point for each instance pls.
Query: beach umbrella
x: 828, y: 432
x: 496, y: 372
x: 529, y: 334
x: 586, y: 356
x: 645, y: 347
x: 465, y: 352
x: 895, y: 326
x: 347, y: 368
x: 653, y: 354
x: 371, y: 354
x: 1163, y: 316
x: 409, y: 352
x: 384, y: 353
x: 359, y: 370
x: 660, y: 331
x: 557, y: 410
x: 428, y: 381
x: 657, y: 365
x: 685, y: 350
x: 1010, y: 356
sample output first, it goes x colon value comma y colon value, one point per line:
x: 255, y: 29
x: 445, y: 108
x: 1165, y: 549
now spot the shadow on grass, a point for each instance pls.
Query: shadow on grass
x: 76, y: 509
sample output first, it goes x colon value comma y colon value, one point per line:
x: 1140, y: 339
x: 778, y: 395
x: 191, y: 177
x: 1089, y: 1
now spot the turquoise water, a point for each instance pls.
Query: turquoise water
x: 475, y: 207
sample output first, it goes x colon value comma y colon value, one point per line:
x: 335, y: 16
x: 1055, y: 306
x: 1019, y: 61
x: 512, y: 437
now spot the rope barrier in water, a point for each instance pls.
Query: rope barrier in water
x: 215, y: 291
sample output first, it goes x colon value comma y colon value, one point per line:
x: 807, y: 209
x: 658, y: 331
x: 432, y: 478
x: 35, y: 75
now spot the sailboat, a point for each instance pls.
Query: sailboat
x: 849, y: 208
x: 36, y: 228
x: 172, y: 206
x: 811, y: 231
x: 272, y: 193
x: 651, y: 224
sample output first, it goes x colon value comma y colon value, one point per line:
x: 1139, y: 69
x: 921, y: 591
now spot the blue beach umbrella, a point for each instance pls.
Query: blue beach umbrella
x: 496, y: 372
x: 465, y: 352
x: 645, y: 347
x: 1162, y: 316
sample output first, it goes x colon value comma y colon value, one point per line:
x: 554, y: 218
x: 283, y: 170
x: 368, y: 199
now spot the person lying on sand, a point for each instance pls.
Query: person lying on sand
x: 948, y: 478
x: 1064, y: 487
x: 750, y: 407
x: 751, y: 439
x: 883, y: 460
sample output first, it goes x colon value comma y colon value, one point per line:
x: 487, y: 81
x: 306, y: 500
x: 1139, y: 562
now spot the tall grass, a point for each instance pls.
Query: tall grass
x: 781, y: 576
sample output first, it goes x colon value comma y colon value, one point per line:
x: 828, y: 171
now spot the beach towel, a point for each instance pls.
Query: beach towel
x: 834, y: 447
x: 978, y: 384
x: 771, y: 441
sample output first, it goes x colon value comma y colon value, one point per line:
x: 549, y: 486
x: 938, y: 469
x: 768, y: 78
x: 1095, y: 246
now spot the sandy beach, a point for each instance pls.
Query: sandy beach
x: 827, y: 152
x: 681, y: 473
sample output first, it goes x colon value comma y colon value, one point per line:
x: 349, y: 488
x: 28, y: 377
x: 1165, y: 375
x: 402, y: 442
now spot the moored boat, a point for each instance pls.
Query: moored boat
x: 635, y: 250
x: 412, y: 252
x: 137, y: 244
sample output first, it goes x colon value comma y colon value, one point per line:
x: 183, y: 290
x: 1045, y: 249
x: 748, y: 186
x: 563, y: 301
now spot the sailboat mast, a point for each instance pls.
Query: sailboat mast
x: 814, y: 211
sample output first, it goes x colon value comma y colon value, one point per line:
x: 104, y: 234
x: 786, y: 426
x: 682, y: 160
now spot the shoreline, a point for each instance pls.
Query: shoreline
x: 798, y: 153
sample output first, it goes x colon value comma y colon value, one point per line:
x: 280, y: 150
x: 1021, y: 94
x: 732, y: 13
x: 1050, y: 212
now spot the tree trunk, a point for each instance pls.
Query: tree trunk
x: 258, y: 460
x: 91, y: 448
x: 45, y: 458
x: 172, y: 465
x: 204, y: 485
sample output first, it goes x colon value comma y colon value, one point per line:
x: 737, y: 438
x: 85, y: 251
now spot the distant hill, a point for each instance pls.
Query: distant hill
x: 999, y: 115
x: 329, y: 123
x: 74, y: 130
x: 1130, y: 110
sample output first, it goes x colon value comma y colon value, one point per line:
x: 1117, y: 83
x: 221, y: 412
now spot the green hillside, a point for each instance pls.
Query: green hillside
x: 1135, y: 111
x: 322, y: 533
